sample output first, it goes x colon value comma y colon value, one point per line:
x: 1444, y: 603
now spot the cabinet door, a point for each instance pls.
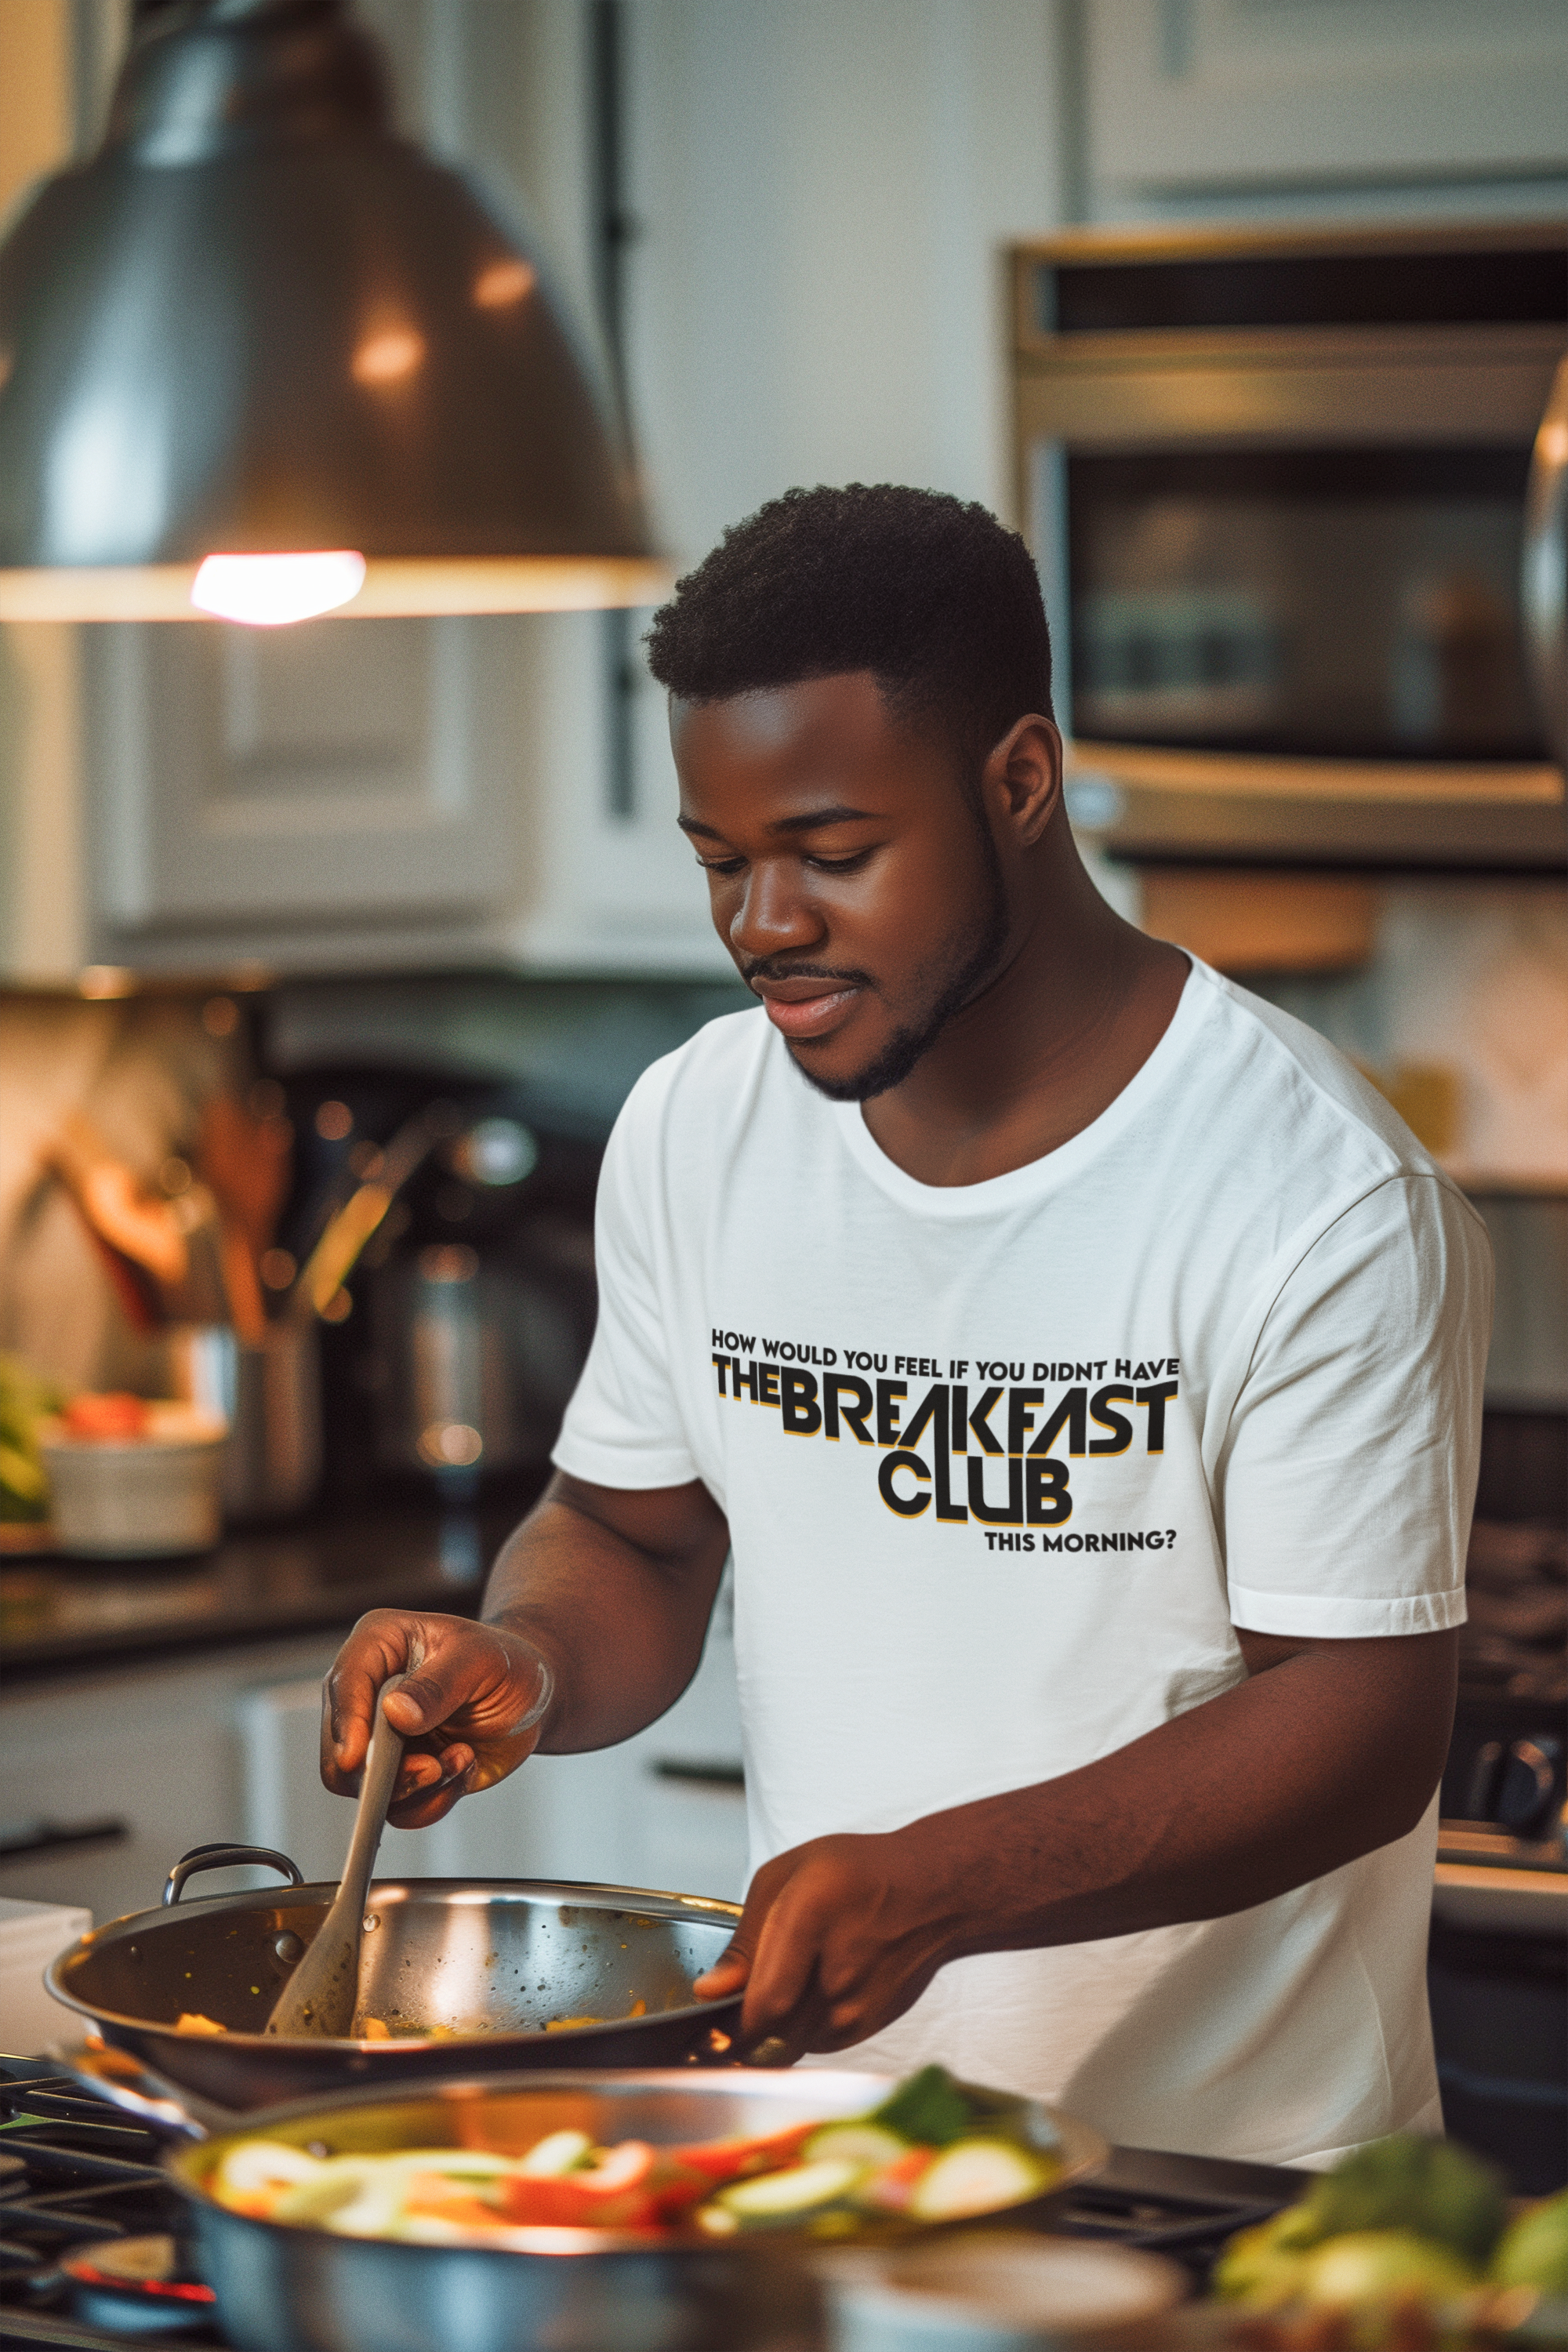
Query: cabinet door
x: 1195, y: 96
x: 329, y: 773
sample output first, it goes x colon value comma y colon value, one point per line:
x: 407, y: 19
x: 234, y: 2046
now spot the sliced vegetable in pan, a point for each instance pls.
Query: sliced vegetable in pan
x: 828, y: 2179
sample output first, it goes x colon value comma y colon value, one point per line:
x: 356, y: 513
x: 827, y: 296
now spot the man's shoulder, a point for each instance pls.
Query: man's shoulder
x: 1315, y: 1085
x: 1305, y: 1117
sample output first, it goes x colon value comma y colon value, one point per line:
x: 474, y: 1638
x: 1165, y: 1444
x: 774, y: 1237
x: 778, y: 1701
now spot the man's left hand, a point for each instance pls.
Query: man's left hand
x: 838, y: 1937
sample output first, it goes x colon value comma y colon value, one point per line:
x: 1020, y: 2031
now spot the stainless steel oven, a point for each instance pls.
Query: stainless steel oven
x: 1297, y: 498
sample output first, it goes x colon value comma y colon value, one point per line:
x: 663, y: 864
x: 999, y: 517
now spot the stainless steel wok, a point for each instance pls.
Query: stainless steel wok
x: 283, y: 2287
x: 487, y: 1964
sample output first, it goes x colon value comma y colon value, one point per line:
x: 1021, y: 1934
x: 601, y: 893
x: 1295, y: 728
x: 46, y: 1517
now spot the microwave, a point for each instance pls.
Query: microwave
x: 1297, y: 501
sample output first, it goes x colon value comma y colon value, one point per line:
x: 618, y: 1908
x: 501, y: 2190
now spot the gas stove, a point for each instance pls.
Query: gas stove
x: 90, y: 2243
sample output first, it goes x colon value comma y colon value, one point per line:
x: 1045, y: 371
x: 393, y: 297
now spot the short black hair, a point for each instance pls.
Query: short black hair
x: 935, y: 597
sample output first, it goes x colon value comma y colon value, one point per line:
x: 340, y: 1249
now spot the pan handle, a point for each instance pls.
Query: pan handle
x: 122, y: 2079
x: 227, y: 1857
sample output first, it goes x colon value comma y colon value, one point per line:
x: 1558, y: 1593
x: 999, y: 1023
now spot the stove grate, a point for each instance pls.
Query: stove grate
x: 73, y: 2174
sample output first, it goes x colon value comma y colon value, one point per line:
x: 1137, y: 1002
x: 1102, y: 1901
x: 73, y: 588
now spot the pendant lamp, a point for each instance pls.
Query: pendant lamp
x: 260, y: 357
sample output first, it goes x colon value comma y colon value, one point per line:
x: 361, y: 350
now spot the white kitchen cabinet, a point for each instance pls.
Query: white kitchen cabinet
x: 338, y: 773
x: 1410, y: 101
x: 155, y: 1748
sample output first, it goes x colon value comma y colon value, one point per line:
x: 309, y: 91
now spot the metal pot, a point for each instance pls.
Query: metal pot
x: 270, y: 1395
x: 281, y: 2287
x: 485, y: 1962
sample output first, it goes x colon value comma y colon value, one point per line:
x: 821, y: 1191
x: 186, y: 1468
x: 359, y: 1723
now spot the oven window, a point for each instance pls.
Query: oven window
x: 1333, y: 603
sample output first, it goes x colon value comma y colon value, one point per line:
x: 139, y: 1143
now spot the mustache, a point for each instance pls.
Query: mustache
x: 770, y: 967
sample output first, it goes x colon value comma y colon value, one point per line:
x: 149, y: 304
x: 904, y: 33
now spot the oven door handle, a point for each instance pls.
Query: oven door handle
x: 1543, y: 570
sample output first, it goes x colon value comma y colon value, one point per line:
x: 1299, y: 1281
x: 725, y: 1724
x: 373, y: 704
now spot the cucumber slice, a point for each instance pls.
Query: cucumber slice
x: 775, y: 2198
x: 557, y: 2153
x: 976, y: 2176
x: 339, y: 2192
x: 856, y: 2144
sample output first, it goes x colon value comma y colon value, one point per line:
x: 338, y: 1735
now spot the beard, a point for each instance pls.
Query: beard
x: 970, y: 963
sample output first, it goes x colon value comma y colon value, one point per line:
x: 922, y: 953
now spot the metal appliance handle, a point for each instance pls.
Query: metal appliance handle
x: 224, y: 1857
x: 1543, y: 566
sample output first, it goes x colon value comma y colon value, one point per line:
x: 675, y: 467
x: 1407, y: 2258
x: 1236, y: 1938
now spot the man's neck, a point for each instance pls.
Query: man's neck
x: 1044, y: 1049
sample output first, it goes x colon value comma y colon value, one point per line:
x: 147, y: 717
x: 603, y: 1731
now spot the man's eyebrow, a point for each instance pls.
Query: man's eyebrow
x: 835, y: 813
x: 806, y: 822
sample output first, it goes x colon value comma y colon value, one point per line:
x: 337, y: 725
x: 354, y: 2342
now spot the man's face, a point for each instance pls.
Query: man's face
x: 849, y: 876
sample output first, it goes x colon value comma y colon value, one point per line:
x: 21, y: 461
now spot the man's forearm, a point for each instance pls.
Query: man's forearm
x: 1327, y: 1755
x: 620, y: 1623
x: 1324, y: 1753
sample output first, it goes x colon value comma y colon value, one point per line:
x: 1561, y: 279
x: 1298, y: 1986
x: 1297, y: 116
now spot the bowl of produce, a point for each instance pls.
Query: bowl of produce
x: 646, y: 2210
x: 1409, y: 2242
x: 129, y: 1479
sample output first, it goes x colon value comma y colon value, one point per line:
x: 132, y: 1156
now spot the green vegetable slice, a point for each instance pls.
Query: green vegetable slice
x: 1263, y: 2266
x: 977, y: 2176
x: 857, y: 2143
x: 556, y: 2153
x: 774, y: 2197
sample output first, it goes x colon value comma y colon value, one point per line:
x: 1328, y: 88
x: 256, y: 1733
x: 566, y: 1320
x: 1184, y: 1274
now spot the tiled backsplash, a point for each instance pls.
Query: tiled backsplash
x: 1472, y: 977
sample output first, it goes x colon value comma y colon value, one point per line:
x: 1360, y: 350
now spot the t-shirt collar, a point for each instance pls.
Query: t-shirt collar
x: 1047, y: 1174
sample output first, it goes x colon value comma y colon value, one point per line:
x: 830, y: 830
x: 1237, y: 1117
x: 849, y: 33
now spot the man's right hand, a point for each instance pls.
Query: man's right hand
x: 470, y: 1712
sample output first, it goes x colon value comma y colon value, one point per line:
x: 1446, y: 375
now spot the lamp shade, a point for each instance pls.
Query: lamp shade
x: 257, y: 322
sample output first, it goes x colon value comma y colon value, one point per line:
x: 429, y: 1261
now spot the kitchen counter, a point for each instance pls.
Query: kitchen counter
x: 60, y: 1615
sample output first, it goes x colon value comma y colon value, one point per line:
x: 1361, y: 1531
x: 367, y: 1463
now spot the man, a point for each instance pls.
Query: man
x: 1083, y: 1366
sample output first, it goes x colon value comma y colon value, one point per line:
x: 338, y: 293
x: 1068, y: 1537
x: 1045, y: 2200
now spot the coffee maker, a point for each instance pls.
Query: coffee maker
x: 453, y: 1345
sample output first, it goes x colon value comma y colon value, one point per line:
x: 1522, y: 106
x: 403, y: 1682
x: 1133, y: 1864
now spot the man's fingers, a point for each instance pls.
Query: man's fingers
x: 429, y: 1786
x: 731, y: 1969
x: 424, y: 1700
x: 384, y: 1643
x: 422, y: 1769
x: 473, y: 1686
x: 726, y: 1976
x: 784, y: 1966
x: 427, y: 1806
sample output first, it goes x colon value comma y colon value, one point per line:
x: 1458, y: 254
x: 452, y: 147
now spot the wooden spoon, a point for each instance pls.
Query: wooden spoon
x: 320, y: 1997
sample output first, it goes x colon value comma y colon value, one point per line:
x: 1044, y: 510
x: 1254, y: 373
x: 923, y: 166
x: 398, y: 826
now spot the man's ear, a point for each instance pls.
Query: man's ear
x: 1023, y: 777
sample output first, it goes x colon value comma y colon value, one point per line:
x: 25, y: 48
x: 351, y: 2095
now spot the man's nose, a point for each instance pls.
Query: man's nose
x: 773, y: 916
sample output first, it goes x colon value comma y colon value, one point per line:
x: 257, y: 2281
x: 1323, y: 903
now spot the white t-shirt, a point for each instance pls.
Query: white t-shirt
x: 1005, y: 1464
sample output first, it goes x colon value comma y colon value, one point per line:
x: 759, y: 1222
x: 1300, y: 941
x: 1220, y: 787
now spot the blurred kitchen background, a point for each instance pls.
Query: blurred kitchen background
x: 337, y: 947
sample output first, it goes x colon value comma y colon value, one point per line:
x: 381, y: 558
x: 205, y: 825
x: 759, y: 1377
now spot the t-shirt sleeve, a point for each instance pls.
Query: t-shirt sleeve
x: 1348, y: 1475
x: 622, y: 1426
